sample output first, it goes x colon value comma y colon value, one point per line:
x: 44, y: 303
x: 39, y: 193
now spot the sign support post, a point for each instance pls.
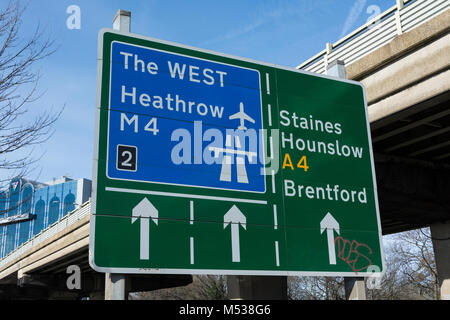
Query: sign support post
x: 354, y: 286
x: 115, y: 284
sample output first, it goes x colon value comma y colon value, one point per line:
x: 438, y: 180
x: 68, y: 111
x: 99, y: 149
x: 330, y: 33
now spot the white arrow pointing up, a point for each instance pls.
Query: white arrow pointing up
x: 329, y: 223
x: 145, y: 210
x: 235, y: 217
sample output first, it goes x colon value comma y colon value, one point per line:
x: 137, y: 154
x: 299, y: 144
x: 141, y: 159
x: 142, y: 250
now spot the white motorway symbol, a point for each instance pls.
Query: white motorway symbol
x: 225, y: 174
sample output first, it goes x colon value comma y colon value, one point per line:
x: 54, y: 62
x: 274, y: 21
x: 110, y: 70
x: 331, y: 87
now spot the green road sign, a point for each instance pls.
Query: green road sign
x: 209, y: 163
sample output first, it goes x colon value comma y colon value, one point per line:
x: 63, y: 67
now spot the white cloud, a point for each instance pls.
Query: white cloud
x: 267, y: 15
x: 353, y: 15
x: 235, y: 33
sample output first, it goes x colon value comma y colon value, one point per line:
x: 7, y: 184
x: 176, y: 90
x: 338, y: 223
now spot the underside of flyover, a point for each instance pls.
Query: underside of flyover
x: 50, y: 281
x: 412, y: 157
x: 407, y: 83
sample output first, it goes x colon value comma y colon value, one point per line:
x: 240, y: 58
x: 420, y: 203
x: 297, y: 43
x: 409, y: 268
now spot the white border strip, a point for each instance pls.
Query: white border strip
x: 238, y: 272
x: 184, y: 195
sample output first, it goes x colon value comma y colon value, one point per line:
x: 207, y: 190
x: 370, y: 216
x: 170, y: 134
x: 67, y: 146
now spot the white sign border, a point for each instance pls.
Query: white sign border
x: 216, y: 271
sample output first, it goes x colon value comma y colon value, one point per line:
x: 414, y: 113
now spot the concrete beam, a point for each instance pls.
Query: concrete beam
x: 400, y: 46
x: 411, y: 96
x: 10, y: 270
x: 55, y: 256
x: 59, y: 247
x: 46, y: 247
x: 413, y: 68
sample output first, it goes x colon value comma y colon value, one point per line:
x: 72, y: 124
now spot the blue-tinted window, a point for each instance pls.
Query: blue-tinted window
x: 14, y: 193
x: 69, y: 203
x: 24, y: 227
x: 53, y: 210
x: 2, y: 241
x: 22, y: 198
x: 24, y: 231
x: 27, y: 197
x: 10, y: 238
x: 39, y: 211
x: 3, y: 203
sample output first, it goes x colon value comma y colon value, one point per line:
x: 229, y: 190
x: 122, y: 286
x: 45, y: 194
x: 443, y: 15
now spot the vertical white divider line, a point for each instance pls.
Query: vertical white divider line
x: 269, y: 111
x: 192, y: 249
x: 275, y: 217
x: 273, y: 182
x: 271, y: 147
x: 277, y: 254
x: 191, y: 207
x: 191, y: 216
x: 268, y: 83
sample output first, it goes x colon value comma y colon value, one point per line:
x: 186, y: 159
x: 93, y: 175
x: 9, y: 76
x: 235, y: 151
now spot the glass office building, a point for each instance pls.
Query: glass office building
x: 28, y: 207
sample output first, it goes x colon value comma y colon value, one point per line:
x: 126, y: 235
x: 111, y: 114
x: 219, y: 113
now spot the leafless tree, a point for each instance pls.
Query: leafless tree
x: 410, y: 273
x: 19, y: 130
x: 316, y: 288
x: 413, y: 251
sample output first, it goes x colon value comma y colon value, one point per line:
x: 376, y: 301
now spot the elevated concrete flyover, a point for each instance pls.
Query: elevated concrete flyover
x: 408, y: 93
x: 402, y: 57
x: 39, y: 268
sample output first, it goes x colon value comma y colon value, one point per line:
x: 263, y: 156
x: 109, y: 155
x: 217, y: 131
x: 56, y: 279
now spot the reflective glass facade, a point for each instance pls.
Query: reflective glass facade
x: 28, y: 207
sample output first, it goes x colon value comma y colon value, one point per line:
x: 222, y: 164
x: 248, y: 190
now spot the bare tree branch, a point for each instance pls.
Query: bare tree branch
x: 18, y: 88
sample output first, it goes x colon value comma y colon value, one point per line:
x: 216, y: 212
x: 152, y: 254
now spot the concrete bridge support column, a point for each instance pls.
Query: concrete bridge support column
x: 440, y: 233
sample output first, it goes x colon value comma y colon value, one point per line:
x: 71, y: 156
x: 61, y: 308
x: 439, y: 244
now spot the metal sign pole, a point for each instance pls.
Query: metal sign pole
x: 355, y: 288
x: 115, y: 284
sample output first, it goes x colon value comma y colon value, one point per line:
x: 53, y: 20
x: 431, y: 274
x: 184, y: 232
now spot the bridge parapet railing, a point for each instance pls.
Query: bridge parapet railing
x: 47, y: 233
x: 400, y: 18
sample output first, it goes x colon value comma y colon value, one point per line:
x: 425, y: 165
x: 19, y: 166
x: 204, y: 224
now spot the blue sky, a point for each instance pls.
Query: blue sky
x: 284, y: 32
